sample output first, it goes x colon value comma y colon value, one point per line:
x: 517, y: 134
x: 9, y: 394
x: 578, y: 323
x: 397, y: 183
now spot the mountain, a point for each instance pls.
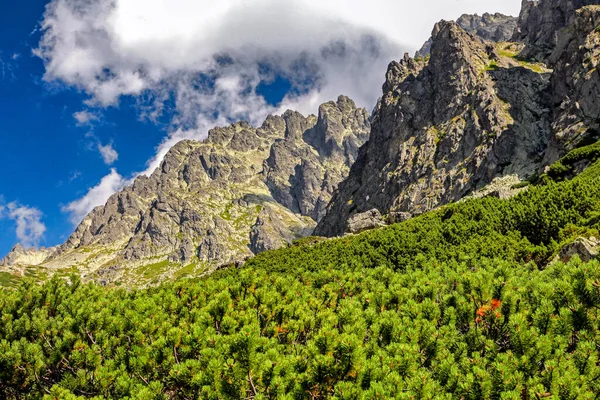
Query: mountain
x: 241, y: 191
x: 540, y: 24
x: 479, y: 116
x: 491, y: 27
x: 475, y: 111
x: 19, y: 256
x: 494, y: 296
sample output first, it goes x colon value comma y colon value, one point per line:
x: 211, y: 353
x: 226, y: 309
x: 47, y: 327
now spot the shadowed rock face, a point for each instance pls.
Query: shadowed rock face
x: 540, y: 24
x: 576, y: 83
x: 491, y: 27
x: 477, y: 111
x: 241, y: 191
x: 444, y: 129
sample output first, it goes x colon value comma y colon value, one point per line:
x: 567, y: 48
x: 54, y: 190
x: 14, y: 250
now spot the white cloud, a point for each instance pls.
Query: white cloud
x: 74, y: 175
x: 111, y: 48
x: 85, y: 117
x: 206, y: 59
x: 96, y: 196
x: 29, y: 228
x: 108, y: 153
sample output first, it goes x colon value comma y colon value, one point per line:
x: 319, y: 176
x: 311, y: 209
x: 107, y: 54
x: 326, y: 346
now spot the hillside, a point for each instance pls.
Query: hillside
x: 465, y: 302
x: 466, y: 263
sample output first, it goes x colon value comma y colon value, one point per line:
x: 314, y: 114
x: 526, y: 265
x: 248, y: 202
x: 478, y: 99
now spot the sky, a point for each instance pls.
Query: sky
x: 94, y: 92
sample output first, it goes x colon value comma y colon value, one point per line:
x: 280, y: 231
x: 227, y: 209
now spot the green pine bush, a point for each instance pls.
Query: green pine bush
x: 460, y: 303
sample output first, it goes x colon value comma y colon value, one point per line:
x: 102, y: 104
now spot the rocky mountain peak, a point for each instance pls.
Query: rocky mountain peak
x: 540, y: 24
x: 17, y: 248
x: 445, y: 127
x: 478, y: 110
x: 490, y: 27
x: 20, y: 257
x: 241, y: 191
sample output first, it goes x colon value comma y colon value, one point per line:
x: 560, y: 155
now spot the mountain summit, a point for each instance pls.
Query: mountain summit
x: 241, y: 191
x: 475, y: 111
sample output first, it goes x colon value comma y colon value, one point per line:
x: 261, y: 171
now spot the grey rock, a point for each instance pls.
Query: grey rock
x: 540, y: 24
x: 22, y: 257
x: 295, y: 172
x: 491, y: 27
x: 270, y: 232
x: 445, y: 128
x: 585, y: 249
x: 396, y: 217
x: 365, y: 221
x: 477, y: 111
x: 576, y: 83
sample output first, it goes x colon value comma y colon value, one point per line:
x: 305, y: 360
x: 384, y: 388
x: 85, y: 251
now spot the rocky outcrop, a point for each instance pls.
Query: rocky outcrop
x: 241, y: 191
x: 19, y: 257
x: 584, y: 248
x: 541, y: 23
x: 576, y: 83
x: 476, y: 112
x: 365, y: 221
x: 446, y: 128
x: 491, y: 27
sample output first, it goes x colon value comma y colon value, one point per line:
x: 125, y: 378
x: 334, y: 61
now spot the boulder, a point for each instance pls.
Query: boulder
x: 365, y: 221
x: 586, y: 249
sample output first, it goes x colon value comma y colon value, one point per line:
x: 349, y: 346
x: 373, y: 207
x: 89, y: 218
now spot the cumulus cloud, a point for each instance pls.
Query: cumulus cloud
x: 207, y: 60
x: 96, y: 196
x: 29, y: 228
x: 108, y: 153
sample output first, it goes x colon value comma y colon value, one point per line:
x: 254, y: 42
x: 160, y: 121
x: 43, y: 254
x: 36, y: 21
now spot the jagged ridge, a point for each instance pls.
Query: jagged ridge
x: 241, y: 191
x: 492, y: 27
x: 474, y: 112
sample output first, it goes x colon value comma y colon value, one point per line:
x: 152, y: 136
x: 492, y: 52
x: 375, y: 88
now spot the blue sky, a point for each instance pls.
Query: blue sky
x: 48, y: 160
x: 150, y: 76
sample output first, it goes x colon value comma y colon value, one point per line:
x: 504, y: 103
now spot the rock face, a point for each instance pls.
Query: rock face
x: 477, y: 111
x: 20, y: 257
x: 540, y: 24
x: 576, y: 83
x: 241, y: 191
x: 446, y: 128
x: 491, y: 27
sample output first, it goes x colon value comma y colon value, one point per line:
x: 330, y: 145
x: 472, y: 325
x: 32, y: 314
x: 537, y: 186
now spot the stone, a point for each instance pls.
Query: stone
x: 445, y: 128
x: 477, y: 111
x: 585, y: 249
x: 395, y: 217
x: 365, y: 221
x: 541, y: 22
x: 576, y: 84
x: 22, y: 257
